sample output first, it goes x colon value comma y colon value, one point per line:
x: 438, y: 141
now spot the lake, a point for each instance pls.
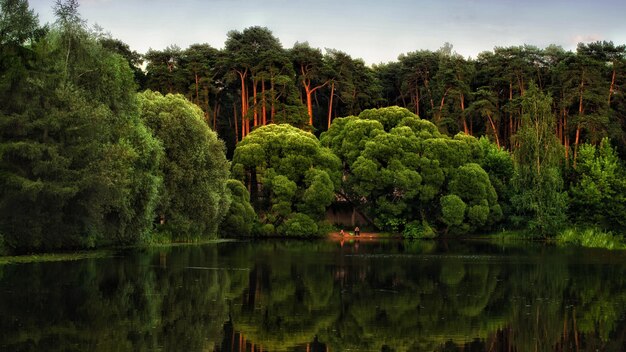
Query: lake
x: 278, y: 295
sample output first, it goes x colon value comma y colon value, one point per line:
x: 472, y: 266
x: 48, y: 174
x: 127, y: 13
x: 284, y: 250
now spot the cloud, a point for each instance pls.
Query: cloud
x: 585, y: 38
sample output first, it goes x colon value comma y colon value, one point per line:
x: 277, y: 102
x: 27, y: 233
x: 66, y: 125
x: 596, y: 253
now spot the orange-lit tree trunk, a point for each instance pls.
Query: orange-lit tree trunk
x: 306, y: 83
x: 443, y: 100
x: 612, y: 87
x: 264, y: 108
x: 272, y: 96
x: 495, y: 130
x: 244, y: 100
x: 465, y: 128
x: 235, y: 118
x: 254, y: 102
x: 580, y: 114
x: 417, y: 100
x: 330, y: 103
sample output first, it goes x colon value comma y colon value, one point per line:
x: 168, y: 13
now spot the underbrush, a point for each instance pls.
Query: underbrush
x: 591, y: 237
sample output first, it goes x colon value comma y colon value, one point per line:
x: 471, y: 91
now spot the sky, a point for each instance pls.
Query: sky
x: 376, y: 31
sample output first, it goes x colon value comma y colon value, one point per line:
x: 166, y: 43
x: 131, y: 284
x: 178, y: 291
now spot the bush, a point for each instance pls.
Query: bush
x: 591, y: 237
x: 264, y: 230
x: 298, y: 225
x: 416, y: 229
x: 241, y: 218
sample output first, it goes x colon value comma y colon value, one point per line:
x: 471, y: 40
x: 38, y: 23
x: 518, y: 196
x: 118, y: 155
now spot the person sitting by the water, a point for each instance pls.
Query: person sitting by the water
x: 357, y: 231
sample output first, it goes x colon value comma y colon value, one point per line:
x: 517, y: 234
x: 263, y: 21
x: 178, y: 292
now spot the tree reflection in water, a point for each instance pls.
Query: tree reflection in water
x: 321, y: 296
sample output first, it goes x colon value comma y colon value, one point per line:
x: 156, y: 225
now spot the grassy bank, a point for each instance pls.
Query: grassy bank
x: 54, y: 257
x: 591, y: 237
x: 96, y: 253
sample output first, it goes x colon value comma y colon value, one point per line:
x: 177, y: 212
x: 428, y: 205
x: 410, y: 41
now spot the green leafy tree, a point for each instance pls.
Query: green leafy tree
x: 292, y: 178
x: 78, y: 167
x: 195, y: 169
x: 134, y: 58
x: 164, y: 72
x: 598, y: 190
x: 539, y: 197
x: 397, y: 167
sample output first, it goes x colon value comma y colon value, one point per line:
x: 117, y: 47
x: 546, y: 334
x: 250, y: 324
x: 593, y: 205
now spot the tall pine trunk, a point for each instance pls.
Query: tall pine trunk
x: 244, y: 101
x: 264, y: 108
x: 580, y: 114
x: 465, y: 129
x: 330, y: 103
x: 612, y: 87
x: 254, y: 102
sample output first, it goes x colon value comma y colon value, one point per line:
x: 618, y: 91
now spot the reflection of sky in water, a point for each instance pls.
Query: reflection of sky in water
x: 313, y: 295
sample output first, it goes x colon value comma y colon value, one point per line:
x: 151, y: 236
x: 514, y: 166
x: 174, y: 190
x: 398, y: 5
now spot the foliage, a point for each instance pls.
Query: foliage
x: 452, y: 210
x: 421, y: 230
x: 195, y: 169
x: 298, y: 225
x: 591, y: 237
x: 241, y: 218
x: 401, y: 171
x: 78, y: 167
x: 598, y: 189
x: 292, y: 178
x: 540, y: 198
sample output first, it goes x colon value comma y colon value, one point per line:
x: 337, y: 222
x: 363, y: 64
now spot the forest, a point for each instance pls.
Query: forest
x: 101, y: 145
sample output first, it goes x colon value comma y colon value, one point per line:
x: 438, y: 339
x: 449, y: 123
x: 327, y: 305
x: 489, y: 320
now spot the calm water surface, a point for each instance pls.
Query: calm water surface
x: 320, y: 296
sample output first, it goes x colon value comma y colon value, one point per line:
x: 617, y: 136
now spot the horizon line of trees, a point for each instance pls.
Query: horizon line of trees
x: 86, y: 160
x: 254, y: 81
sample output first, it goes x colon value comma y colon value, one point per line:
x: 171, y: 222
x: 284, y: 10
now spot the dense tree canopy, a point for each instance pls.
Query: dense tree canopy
x: 292, y: 178
x: 71, y: 141
x: 81, y: 168
x: 409, y: 177
x: 195, y: 169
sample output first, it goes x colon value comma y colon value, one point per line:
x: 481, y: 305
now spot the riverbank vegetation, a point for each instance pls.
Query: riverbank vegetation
x: 96, y: 151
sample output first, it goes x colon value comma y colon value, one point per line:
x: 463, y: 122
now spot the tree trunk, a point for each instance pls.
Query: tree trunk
x: 430, y: 94
x: 309, y: 104
x: 197, y: 89
x: 264, y: 108
x: 244, y: 100
x: 465, y: 129
x: 216, y: 113
x: 495, y: 131
x: 612, y: 87
x: 235, y: 119
x: 417, y: 100
x: 330, y: 103
x: 272, y: 96
x: 580, y: 114
x: 254, y: 102
x: 443, y: 100
x: 511, y: 128
x: 309, y: 101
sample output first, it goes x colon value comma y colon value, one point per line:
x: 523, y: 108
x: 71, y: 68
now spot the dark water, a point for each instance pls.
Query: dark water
x: 319, y: 296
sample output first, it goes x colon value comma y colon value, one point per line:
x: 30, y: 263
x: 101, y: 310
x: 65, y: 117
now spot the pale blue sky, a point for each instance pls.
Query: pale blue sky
x: 376, y: 31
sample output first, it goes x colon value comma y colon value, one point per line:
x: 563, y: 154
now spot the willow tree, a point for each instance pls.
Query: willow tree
x: 539, y: 197
x: 194, y: 169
